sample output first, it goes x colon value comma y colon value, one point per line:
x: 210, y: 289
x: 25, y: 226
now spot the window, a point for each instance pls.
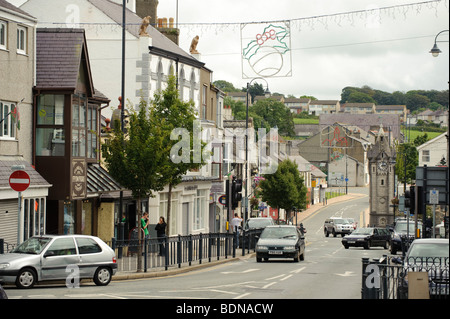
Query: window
x: 87, y: 246
x: 425, y: 155
x: 50, y: 135
x: 34, y: 217
x: 204, y: 97
x: 62, y: 246
x: 200, y: 209
x: 7, y: 120
x: 21, y: 40
x: 79, y: 125
x: 3, y: 35
x: 92, y: 132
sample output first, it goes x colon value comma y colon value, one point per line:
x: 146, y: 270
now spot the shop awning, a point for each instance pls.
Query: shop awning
x: 99, y: 181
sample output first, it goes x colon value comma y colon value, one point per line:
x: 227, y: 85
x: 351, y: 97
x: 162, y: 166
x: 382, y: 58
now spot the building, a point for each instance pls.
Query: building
x: 318, y: 107
x: 358, y: 108
x: 17, y: 46
x: 434, y: 152
x: 67, y: 111
x: 400, y: 110
x: 382, y: 181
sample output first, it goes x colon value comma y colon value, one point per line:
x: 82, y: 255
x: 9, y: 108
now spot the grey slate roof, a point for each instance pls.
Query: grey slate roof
x: 36, y: 180
x: 133, y: 21
x: 7, y: 6
x: 58, y: 56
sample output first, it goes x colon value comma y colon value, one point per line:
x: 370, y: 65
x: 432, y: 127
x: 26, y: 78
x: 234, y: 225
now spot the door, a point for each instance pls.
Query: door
x: 90, y: 254
x: 60, y: 254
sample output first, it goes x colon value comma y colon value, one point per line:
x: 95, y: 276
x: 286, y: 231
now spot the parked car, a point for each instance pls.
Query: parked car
x: 427, y: 255
x: 282, y: 241
x: 367, y: 237
x: 337, y: 225
x: 47, y: 258
x: 258, y: 222
x: 400, y: 237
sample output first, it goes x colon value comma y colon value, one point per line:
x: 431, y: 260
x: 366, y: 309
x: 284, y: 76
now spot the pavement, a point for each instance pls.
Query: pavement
x: 301, y: 216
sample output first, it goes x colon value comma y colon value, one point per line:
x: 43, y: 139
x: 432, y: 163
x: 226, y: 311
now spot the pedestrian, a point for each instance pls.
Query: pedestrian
x: 235, y: 226
x: 144, y: 224
x: 161, y: 234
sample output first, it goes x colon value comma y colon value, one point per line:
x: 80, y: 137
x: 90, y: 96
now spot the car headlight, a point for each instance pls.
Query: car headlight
x: 260, y: 247
x: 4, y: 265
x: 289, y: 248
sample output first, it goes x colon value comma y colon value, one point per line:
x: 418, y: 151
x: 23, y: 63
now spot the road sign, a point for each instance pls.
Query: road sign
x: 19, y: 181
x: 434, y: 197
x: 223, y: 200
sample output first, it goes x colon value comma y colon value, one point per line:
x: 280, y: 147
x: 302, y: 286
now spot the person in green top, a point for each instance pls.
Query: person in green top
x: 144, y: 223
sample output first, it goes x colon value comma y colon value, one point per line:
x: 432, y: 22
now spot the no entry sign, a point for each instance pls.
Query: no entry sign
x: 19, y: 181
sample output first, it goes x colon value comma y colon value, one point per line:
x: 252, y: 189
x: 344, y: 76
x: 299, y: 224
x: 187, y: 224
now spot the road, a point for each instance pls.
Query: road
x: 328, y: 272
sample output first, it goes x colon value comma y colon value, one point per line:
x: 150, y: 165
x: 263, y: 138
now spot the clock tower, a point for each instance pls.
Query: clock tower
x: 382, y: 180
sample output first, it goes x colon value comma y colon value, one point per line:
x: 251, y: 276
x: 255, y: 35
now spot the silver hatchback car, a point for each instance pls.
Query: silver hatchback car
x: 58, y: 257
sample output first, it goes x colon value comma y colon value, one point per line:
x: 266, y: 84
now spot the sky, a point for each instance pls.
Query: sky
x: 333, y: 43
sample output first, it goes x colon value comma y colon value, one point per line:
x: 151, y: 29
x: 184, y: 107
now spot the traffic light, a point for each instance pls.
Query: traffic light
x: 408, y: 200
x: 412, y: 199
x: 236, y: 196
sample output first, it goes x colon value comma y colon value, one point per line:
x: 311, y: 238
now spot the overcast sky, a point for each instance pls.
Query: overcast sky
x: 331, y: 48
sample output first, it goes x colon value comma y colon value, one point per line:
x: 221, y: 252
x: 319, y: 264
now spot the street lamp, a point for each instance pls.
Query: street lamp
x: 267, y: 92
x: 435, y: 50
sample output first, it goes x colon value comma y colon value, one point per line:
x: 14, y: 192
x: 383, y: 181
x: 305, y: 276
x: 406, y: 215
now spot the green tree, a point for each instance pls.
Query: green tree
x: 285, y: 188
x: 274, y: 114
x: 406, y: 155
x: 172, y: 115
x: 135, y: 159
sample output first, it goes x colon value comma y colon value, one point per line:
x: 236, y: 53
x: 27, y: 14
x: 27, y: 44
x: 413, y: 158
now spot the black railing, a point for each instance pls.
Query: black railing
x: 390, y: 277
x: 175, y: 251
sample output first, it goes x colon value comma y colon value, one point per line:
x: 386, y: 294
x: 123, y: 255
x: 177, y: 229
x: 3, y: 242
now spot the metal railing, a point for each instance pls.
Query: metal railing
x: 387, y: 277
x: 176, y: 251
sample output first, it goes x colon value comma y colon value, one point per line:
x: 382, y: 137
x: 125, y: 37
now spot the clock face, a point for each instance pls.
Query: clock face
x: 382, y: 165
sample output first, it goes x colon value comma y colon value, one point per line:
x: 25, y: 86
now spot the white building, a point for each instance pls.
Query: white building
x: 149, y: 60
x: 434, y: 151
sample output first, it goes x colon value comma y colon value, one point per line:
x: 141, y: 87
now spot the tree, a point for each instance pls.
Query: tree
x: 135, y: 159
x: 285, y: 188
x: 406, y: 155
x: 275, y: 114
x: 175, y: 116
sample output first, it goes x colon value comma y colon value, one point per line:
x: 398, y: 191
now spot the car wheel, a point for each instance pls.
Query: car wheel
x: 326, y: 232
x: 258, y: 259
x: 26, y: 278
x: 367, y: 245
x: 346, y: 246
x: 102, y: 276
x: 387, y: 245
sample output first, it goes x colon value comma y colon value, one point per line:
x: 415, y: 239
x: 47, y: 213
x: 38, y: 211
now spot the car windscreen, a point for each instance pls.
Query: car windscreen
x: 432, y: 250
x: 278, y: 232
x: 258, y: 223
x: 33, y: 245
x: 363, y: 231
x: 340, y: 221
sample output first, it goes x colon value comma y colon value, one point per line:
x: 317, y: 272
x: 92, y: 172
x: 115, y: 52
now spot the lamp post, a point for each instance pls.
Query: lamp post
x: 246, y: 144
x: 435, y: 52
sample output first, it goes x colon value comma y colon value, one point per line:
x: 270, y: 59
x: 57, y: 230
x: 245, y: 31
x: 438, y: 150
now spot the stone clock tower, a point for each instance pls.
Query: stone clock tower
x: 382, y: 183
